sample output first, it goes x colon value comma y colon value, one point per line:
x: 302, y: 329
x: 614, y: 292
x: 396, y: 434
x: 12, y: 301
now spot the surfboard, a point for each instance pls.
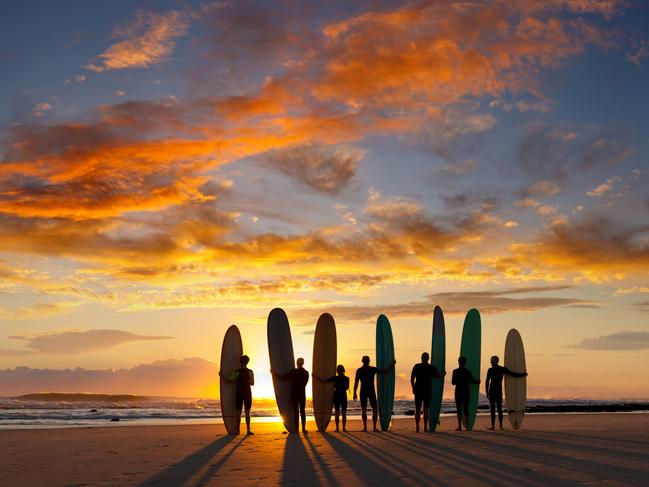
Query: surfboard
x: 515, y: 387
x: 437, y: 359
x: 385, y: 382
x: 280, y: 351
x: 324, y: 366
x: 470, y: 348
x: 231, y: 352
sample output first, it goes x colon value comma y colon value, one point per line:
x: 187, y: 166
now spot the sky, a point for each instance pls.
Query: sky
x: 170, y: 168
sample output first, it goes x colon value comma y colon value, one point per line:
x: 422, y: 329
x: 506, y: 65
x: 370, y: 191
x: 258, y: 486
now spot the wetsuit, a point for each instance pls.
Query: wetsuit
x: 494, y: 386
x: 299, y: 378
x: 341, y: 385
x: 462, y: 379
x: 423, y: 374
x: 243, y: 396
x: 365, y: 375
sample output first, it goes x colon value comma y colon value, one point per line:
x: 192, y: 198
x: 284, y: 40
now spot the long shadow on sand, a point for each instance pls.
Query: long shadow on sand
x: 185, y: 469
x: 326, y: 471
x: 297, y: 459
x: 570, y: 461
x: 368, y: 464
x: 478, y: 468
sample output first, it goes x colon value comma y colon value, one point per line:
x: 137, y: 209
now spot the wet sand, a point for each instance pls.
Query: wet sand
x: 559, y: 449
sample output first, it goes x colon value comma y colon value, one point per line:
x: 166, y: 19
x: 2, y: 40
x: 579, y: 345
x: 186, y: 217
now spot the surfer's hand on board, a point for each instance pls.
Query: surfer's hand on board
x: 355, y: 397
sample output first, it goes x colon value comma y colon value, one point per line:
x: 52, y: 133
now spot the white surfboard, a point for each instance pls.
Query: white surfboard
x: 515, y: 387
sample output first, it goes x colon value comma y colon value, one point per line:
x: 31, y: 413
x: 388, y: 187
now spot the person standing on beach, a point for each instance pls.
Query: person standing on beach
x: 494, y: 389
x: 462, y: 379
x: 365, y: 375
x: 299, y: 378
x: 421, y: 380
x: 245, y: 379
x: 341, y: 386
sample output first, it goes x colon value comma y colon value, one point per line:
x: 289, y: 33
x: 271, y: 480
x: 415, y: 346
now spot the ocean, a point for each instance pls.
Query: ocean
x: 80, y: 410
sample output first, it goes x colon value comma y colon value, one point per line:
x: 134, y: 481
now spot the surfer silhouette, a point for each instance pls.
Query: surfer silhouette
x: 365, y: 375
x: 245, y: 378
x: 341, y: 386
x: 299, y: 378
x: 421, y: 380
x: 494, y: 389
x: 462, y: 379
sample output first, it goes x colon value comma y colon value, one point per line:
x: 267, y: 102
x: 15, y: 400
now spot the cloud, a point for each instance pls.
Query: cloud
x: 593, y: 245
x: 624, y: 340
x: 189, y: 377
x: 487, y: 302
x: 71, y: 342
x: 604, y: 187
x: 324, y: 169
x: 631, y: 290
x: 459, y: 168
x: 149, y: 39
x: 541, y: 189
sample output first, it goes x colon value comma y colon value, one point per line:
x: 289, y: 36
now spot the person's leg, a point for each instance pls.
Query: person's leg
x: 303, y: 412
x: 238, y: 404
x: 364, y: 411
x: 343, y: 406
x: 248, y: 404
x: 465, y: 405
x: 337, y: 409
x: 492, y: 411
x: 458, y: 407
x: 426, y: 402
x: 296, y: 412
x: 375, y: 413
x: 417, y: 412
x: 499, y: 403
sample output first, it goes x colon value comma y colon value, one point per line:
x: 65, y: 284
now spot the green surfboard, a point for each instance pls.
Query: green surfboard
x: 470, y: 348
x: 385, y: 382
x: 438, y: 360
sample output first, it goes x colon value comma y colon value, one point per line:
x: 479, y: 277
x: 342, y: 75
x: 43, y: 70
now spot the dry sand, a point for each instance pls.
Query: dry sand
x: 551, y: 450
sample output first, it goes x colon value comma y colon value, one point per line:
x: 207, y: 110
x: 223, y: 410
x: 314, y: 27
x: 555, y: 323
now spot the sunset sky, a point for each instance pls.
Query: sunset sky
x: 169, y: 168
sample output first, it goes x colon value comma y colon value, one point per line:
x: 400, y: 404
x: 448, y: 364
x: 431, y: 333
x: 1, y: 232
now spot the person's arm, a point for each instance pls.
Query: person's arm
x: 515, y: 374
x: 280, y: 376
x: 473, y: 379
x: 412, y: 379
x: 388, y: 369
x: 252, y: 378
x: 488, y: 382
x: 437, y: 373
x: 307, y: 379
x: 453, y: 379
x: 230, y: 379
x: 321, y: 379
x: 356, y: 379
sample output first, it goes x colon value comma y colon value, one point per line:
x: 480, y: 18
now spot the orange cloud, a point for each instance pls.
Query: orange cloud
x: 148, y: 40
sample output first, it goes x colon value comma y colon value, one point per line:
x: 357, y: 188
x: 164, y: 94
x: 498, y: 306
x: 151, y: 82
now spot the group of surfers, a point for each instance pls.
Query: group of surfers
x: 420, y: 380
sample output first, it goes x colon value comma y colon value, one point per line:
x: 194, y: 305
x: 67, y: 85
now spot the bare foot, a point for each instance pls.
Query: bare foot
x: 364, y: 430
x: 250, y: 433
x: 459, y: 428
x: 375, y: 430
x: 492, y: 428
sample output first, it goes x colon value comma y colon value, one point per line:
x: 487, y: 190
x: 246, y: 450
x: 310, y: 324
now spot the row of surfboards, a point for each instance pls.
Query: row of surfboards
x: 282, y: 359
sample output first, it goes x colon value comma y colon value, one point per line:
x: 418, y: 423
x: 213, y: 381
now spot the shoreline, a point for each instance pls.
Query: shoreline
x: 562, y: 449
x: 261, y: 420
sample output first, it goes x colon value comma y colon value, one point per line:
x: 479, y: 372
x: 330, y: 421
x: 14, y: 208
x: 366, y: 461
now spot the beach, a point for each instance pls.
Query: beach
x: 553, y: 449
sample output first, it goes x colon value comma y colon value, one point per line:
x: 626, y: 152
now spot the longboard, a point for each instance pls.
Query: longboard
x: 470, y: 349
x: 385, y: 382
x: 437, y: 359
x: 515, y: 387
x: 324, y: 366
x: 231, y: 352
x: 280, y: 351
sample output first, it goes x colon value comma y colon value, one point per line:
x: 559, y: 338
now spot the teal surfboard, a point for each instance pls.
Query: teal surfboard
x: 385, y: 382
x: 438, y: 360
x: 470, y: 348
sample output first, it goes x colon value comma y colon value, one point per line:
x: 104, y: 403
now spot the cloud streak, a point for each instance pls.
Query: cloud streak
x: 149, y: 39
x: 74, y: 342
x: 621, y: 341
